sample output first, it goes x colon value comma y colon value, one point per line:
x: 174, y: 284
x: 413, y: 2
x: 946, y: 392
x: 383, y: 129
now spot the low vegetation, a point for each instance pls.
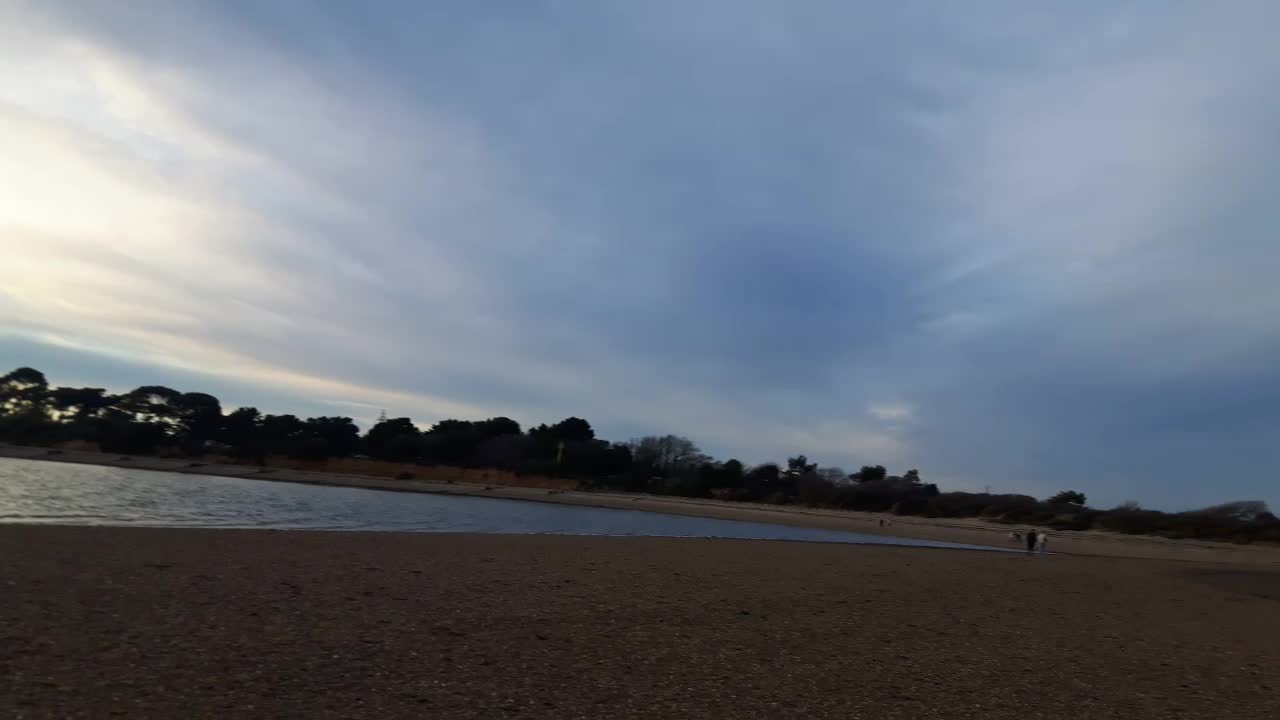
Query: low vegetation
x: 155, y: 419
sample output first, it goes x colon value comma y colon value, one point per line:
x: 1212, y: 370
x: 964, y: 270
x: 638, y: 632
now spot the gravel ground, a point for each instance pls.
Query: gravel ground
x: 227, y: 623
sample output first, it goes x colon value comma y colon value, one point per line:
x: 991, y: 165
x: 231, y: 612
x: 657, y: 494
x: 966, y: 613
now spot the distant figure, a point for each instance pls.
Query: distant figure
x: 1031, y: 541
x: 1015, y: 536
x: 1042, y: 542
x: 881, y: 522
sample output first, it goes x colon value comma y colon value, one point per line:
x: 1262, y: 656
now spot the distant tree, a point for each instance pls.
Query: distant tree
x: 119, y: 434
x: 498, y: 426
x: 693, y: 480
x: 445, y: 427
x: 766, y: 473
x: 595, y: 459
x: 24, y: 418
x: 814, y: 489
x: 242, y: 431
x: 397, y: 440
x: 197, y: 418
x: 1068, y: 497
x: 573, y: 429
x: 326, y: 437
x: 282, y: 434
x: 451, y: 442
x: 666, y: 455
x: 23, y: 390
x: 80, y: 405
x: 1244, y: 511
x: 731, y: 474
x: 761, y: 480
x: 502, y: 451
x: 833, y: 475
x: 912, y: 476
x: 151, y: 404
x: 799, y: 465
x: 870, y: 473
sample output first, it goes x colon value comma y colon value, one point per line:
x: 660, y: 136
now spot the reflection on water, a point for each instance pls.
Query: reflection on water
x: 60, y: 493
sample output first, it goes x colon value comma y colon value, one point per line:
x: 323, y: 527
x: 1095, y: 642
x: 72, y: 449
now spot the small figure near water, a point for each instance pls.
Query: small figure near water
x: 1031, y: 541
x: 1042, y: 542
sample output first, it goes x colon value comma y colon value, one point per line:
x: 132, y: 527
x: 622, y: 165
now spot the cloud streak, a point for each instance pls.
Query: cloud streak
x: 1001, y: 244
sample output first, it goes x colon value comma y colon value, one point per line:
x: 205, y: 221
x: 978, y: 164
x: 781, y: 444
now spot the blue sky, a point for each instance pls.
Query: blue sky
x: 1013, y: 244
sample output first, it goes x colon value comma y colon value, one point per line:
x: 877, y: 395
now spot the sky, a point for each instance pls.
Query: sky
x: 1021, y: 245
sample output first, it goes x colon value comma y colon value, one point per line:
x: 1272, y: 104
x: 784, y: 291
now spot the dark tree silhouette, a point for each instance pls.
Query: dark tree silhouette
x: 80, y: 404
x: 731, y: 474
x: 153, y: 418
x: 151, y: 404
x: 498, y: 426
x: 1068, y: 497
x: 799, y: 465
x: 198, y: 420
x: 23, y: 390
x: 870, y: 473
x: 397, y: 440
x: 325, y: 436
x: 282, y: 434
x: 242, y: 432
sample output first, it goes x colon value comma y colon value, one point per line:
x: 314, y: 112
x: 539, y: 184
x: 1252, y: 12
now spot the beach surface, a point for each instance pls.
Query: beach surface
x: 955, y: 530
x: 134, y: 622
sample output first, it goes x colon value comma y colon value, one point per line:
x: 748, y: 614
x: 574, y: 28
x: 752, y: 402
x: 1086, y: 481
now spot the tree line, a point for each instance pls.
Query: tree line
x: 155, y: 418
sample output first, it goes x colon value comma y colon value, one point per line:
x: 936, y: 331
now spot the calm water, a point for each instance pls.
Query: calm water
x: 60, y: 493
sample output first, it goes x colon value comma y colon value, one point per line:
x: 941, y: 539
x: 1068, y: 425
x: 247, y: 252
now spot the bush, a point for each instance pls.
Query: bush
x: 130, y: 438
x: 1076, y: 521
x: 1133, y: 521
x: 29, y: 429
x: 776, y: 498
x: 910, y: 506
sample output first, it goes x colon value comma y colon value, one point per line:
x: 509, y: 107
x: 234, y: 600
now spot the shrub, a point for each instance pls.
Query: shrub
x: 1133, y: 521
x: 910, y: 506
x: 1075, y: 521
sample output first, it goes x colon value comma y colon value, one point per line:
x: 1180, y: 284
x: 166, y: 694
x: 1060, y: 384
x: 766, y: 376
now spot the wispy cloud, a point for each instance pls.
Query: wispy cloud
x: 891, y: 412
x: 988, y: 242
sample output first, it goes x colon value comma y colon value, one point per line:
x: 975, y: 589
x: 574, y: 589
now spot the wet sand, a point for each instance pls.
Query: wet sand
x: 961, y: 530
x: 229, y: 623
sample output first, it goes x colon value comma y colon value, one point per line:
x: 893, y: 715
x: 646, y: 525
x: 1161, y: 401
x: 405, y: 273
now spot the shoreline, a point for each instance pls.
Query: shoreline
x: 964, y: 531
x: 163, y: 622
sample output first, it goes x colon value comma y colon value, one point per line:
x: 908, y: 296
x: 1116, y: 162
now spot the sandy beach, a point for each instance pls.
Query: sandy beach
x: 101, y: 622
x: 960, y: 530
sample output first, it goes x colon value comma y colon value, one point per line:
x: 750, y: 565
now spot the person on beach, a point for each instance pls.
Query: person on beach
x: 1031, y: 541
x: 1042, y: 542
